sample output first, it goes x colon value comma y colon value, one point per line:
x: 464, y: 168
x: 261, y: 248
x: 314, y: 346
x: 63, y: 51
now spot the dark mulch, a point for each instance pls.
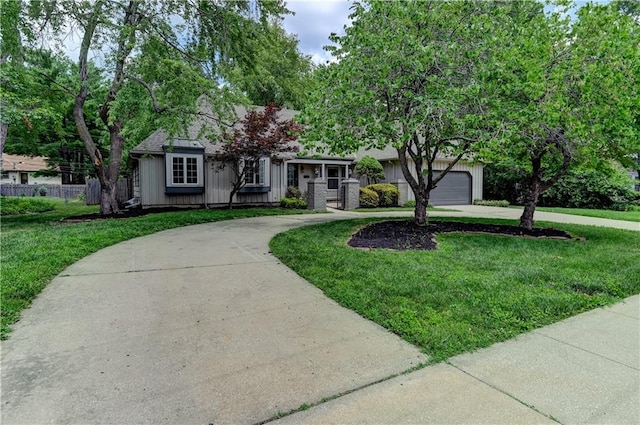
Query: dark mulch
x: 403, y: 234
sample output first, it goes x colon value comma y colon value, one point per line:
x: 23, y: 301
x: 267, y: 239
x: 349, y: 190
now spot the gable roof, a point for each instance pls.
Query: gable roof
x: 153, y: 145
x: 10, y: 162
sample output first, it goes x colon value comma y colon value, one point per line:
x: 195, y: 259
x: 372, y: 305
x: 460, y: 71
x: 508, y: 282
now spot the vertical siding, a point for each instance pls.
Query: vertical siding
x: 152, y: 186
x: 393, y: 172
x: 218, y: 185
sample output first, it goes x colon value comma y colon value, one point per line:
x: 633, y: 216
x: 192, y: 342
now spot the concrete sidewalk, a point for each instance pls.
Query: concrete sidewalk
x: 203, y: 325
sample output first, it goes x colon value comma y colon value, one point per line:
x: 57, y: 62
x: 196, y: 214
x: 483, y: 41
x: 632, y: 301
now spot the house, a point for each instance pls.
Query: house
x: 460, y: 186
x: 19, y: 169
x: 183, y: 171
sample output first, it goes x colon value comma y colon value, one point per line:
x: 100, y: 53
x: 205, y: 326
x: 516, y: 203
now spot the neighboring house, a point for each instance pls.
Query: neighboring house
x: 461, y: 186
x: 183, y: 172
x: 18, y: 169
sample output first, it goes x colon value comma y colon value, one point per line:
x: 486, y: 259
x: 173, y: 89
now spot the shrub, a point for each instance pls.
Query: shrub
x: 410, y: 204
x: 293, y: 192
x: 491, y: 203
x: 387, y: 193
x: 293, y: 203
x: 370, y: 168
x: 578, y: 188
x: 23, y: 205
x: 589, y: 188
x: 368, y: 198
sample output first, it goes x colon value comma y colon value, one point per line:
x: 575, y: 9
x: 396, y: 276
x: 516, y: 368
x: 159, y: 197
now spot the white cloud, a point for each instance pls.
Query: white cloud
x: 314, y: 21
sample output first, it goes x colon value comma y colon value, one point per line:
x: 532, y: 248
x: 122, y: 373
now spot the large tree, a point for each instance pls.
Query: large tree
x: 409, y: 74
x: 160, y: 56
x: 567, y: 92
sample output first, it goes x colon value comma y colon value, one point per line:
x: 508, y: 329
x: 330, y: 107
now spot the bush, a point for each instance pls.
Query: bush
x: 293, y: 203
x: 370, y: 168
x: 410, y: 204
x: 293, y: 192
x: 387, y: 194
x: 368, y: 198
x: 491, y: 203
x: 589, y: 188
x: 578, y: 188
x: 23, y: 205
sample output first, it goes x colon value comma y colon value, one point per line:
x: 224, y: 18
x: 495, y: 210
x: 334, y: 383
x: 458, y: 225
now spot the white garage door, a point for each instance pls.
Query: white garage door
x: 453, y: 189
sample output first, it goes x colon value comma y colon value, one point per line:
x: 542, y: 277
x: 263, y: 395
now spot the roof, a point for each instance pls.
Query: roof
x: 153, y: 145
x: 22, y: 163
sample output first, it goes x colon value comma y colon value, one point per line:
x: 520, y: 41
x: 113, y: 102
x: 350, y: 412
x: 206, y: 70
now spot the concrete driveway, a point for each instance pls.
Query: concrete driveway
x: 203, y: 325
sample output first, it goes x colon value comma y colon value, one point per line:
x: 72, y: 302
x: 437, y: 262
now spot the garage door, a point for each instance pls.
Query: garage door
x: 453, y: 189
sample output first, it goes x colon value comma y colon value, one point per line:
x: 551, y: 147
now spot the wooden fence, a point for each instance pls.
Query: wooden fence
x: 67, y: 191
x: 93, y: 191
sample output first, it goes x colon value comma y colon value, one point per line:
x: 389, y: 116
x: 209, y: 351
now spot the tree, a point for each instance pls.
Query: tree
x: 259, y: 135
x: 40, y: 111
x: 566, y: 92
x: 409, y: 74
x: 160, y: 56
x: 370, y: 168
x: 282, y: 74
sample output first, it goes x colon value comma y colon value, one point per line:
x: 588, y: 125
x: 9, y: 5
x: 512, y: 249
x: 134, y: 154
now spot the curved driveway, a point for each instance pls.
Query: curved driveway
x: 203, y: 325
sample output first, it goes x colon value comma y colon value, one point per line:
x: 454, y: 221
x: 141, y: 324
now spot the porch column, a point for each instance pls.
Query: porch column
x: 317, y: 194
x: 350, y: 194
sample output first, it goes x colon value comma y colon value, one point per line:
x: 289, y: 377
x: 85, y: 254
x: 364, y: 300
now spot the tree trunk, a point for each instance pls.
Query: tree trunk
x: 420, y: 216
x: 108, y: 201
x: 533, y: 193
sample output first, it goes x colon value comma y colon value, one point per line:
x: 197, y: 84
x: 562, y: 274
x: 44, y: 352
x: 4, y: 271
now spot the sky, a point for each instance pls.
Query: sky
x: 313, y: 21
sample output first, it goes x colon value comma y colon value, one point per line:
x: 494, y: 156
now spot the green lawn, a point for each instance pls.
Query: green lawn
x: 476, y: 289
x: 36, y: 247
x: 613, y: 215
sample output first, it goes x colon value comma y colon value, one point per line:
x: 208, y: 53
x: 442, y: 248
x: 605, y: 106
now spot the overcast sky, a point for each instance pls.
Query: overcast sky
x: 313, y: 21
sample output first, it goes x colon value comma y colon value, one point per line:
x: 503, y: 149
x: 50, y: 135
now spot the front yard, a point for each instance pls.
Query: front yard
x: 476, y: 289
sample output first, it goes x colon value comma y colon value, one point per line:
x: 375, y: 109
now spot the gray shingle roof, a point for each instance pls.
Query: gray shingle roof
x: 153, y: 144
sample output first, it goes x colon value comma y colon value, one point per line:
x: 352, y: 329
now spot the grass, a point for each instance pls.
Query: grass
x: 610, y: 214
x: 24, y: 205
x: 476, y: 289
x: 37, y: 247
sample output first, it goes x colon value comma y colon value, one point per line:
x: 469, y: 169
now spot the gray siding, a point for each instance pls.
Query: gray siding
x: 217, y: 186
x: 152, y: 186
x: 393, y: 172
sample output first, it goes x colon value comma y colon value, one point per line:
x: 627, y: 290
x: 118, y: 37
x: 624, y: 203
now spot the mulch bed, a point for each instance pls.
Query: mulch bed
x: 404, y: 234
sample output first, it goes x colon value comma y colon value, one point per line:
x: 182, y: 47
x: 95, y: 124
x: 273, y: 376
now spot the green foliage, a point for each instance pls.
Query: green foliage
x: 580, y: 188
x: 409, y: 74
x: 475, y: 290
x: 588, y: 188
x: 491, y: 203
x: 281, y: 75
x: 293, y: 192
x: 368, y: 198
x: 387, y: 194
x: 567, y: 93
x: 410, y: 204
x: 370, y: 168
x: 23, y: 205
x: 293, y: 203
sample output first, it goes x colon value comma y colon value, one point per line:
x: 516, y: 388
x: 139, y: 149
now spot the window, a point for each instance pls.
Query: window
x: 257, y: 172
x: 5, y: 175
x: 184, y: 173
x: 333, y: 177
